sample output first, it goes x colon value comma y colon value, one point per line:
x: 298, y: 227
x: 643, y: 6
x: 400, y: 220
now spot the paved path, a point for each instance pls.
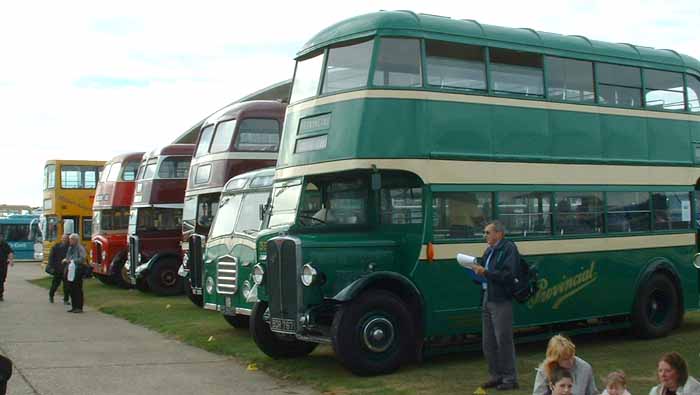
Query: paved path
x: 93, y: 353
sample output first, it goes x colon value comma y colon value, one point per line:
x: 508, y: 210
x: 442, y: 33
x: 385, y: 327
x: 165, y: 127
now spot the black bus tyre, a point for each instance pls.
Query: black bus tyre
x: 373, y: 334
x: 120, y: 274
x: 197, y: 300
x: 107, y: 280
x: 274, y: 345
x: 656, y: 307
x: 238, y: 321
x: 163, y: 279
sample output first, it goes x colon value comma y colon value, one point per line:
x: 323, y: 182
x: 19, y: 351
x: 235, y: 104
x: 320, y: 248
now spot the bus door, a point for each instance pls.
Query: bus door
x: 70, y: 225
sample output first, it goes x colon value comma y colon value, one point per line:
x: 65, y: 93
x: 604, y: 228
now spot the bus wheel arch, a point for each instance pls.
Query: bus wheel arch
x: 658, y: 304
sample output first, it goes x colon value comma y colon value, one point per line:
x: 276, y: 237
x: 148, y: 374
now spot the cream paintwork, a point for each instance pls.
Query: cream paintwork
x: 566, y: 246
x: 488, y: 100
x: 433, y: 171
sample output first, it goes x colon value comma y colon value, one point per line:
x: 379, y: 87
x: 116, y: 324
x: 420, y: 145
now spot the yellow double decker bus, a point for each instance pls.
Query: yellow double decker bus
x: 69, y: 190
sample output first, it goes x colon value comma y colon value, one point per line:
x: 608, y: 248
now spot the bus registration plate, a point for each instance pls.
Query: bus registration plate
x: 282, y: 325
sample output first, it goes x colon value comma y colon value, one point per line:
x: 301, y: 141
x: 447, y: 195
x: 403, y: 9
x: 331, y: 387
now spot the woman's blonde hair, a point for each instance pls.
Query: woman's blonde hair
x: 558, y: 348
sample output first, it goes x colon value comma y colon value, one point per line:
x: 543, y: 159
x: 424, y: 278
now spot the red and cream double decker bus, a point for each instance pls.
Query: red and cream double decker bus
x: 110, y: 218
x: 155, y: 220
x: 241, y: 137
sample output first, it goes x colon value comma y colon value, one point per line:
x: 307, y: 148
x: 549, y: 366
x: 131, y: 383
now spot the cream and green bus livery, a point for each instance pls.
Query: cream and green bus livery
x: 407, y: 133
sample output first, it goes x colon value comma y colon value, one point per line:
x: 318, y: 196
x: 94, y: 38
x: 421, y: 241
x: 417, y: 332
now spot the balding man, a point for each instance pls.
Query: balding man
x: 76, y: 263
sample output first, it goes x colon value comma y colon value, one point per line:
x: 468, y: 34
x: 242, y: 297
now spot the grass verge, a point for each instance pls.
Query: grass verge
x: 462, y: 373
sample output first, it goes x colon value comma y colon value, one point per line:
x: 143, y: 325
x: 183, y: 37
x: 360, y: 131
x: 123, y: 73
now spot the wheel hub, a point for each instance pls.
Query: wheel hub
x: 168, y: 279
x: 378, y: 334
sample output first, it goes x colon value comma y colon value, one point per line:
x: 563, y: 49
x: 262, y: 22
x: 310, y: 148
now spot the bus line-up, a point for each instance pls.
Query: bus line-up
x: 237, y: 139
x: 407, y: 133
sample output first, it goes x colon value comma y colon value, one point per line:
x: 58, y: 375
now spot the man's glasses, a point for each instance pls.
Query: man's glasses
x: 487, y: 232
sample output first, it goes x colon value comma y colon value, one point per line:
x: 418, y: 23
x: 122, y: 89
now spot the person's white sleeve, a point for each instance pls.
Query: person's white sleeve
x: 540, y: 387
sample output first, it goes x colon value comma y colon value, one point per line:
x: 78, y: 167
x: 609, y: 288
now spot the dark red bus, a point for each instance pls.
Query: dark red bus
x: 110, y: 218
x: 155, y: 220
x: 237, y: 139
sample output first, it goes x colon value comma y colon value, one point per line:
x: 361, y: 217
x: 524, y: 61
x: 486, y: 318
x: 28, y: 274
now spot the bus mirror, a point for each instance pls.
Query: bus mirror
x: 376, y: 181
x: 68, y: 226
x: 696, y: 261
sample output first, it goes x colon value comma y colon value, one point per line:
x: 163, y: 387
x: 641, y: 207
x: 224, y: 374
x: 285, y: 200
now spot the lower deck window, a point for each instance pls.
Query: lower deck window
x: 458, y: 215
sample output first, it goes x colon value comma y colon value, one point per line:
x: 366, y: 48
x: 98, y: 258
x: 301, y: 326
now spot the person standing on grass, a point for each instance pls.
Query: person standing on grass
x: 56, y: 257
x: 6, y: 260
x: 499, y: 263
x: 76, y: 263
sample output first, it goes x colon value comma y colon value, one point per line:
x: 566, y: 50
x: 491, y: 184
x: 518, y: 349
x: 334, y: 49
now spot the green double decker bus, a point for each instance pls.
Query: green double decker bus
x: 407, y: 133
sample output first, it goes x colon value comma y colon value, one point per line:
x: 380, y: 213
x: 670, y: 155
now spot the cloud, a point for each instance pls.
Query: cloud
x: 91, y: 80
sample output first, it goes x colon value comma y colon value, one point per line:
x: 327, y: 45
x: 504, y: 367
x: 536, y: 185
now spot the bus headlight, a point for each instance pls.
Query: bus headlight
x: 696, y: 261
x: 258, y: 274
x: 308, y: 275
x: 246, y: 289
x: 210, y: 285
x: 104, y: 256
x: 185, y: 258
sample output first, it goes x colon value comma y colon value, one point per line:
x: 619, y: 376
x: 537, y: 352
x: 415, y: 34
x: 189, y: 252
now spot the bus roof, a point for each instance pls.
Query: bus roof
x: 236, y: 110
x: 172, y: 149
x: 130, y: 156
x: 253, y: 179
x: 410, y: 24
x: 75, y: 162
x: 19, y: 219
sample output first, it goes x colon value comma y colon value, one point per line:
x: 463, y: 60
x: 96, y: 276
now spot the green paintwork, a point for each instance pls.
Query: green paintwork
x: 409, y: 24
x: 391, y: 128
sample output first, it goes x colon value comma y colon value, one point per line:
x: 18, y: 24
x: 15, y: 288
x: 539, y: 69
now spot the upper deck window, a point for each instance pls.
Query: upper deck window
x: 347, y: 67
x: 452, y: 65
x: 79, y: 177
x: 105, y: 172
x: 223, y: 136
x: 307, y: 77
x: 174, y: 167
x: 50, y: 177
x: 663, y: 90
x: 515, y: 72
x: 693, y: 93
x: 150, y: 170
x: 398, y: 63
x: 258, y: 134
x: 570, y: 80
x: 113, y: 171
x: 619, y: 85
x: 129, y: 171
x: 204, y: 141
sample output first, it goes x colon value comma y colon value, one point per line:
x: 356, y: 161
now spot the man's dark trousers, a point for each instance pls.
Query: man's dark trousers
x: 497, y: 339
x: 76, y: 293
x: 57, y: 279
x: 3, y: 276
x: 5, y: 373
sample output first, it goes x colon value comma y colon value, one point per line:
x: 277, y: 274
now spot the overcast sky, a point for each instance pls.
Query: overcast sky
x: 91, y: 80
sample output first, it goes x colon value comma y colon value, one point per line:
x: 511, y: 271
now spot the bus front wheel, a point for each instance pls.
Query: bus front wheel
x: 372, y: 334
x: 656, y: 307
x: 163, y: 279
x: 274, y: 345
x: 197, y: 300
x: 237, y: 321
x: 120, y: 274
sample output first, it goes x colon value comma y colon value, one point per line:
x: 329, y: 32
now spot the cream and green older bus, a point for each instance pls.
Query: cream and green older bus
x: 407, y: 133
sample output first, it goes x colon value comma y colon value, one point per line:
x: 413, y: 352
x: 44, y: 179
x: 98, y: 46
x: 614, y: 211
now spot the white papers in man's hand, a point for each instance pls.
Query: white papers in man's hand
x: 466, y: 261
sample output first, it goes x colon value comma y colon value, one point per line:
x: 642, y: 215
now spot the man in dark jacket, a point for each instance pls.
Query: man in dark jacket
x: 498, y: 266
x: 56, y: 257
x: 76, y: 264
x: 6, y: 260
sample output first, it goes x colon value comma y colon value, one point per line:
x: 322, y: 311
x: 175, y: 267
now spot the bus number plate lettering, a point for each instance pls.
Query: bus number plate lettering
x: 281, y: 325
